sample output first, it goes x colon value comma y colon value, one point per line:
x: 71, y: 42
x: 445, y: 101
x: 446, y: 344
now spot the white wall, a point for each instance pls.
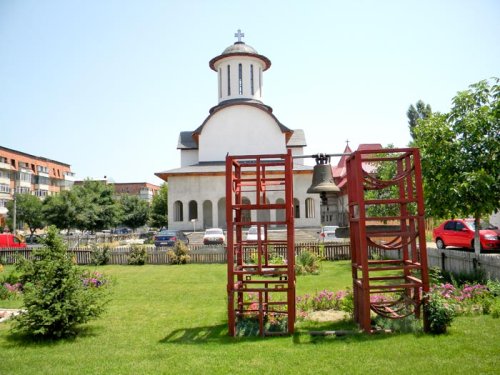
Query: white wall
x: 201, y: 188
x: 189, y: 157
x: 240, y: 130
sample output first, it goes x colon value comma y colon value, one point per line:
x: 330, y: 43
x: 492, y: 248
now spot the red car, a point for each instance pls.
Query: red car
x: 460, y: 233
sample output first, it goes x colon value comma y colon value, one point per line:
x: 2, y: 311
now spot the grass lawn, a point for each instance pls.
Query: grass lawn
x: 172, y: 319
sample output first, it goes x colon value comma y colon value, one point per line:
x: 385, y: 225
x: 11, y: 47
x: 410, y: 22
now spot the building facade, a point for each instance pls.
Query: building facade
x: 143, y: 190
x: 240, y: 124
x: 22, y: 173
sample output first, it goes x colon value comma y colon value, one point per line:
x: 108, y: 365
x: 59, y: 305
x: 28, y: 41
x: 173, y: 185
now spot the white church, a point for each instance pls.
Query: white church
x: 240, y: 124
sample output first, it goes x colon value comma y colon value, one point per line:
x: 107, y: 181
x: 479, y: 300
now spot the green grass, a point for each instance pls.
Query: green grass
x: 172, y: 319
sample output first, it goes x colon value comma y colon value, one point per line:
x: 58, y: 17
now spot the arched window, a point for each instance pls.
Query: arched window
x: 207, y: 214
x: 228, y: 80
x: 310, y: 212
x: 280, y: 213
x: 178, y: 211
x: 251, y: 79
x: 221, y: 213
x: 245, y: 214
x: 296, y: 208
x: 240, y: 79
x: 193, y: 210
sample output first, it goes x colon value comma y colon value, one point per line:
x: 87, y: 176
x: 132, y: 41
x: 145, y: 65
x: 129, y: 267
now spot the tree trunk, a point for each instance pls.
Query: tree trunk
x: 477, y: 243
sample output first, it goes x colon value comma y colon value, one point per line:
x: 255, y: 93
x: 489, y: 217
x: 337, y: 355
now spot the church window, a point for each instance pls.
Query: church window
x: 178, y: 211
x: 228, y: 80
x: 220, y: 83
x: 296, y: 208
x: 193, y: 210
x: 240, y: 79
x: 251, y: 79
x: 309, y: 208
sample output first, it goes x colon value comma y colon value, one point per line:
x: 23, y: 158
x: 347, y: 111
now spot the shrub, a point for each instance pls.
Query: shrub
x: 56, y: 300
x: 307, y: 263
x: 495, y: 309
x: 440, y: 310
x: 347, y: 304
x: 99, y: 255
x: 179, y: 253
x: 137, y: 255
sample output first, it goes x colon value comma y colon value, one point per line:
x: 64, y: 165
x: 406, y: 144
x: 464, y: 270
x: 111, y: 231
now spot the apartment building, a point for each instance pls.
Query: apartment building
x: 23, y: 173
x: 143, y: 190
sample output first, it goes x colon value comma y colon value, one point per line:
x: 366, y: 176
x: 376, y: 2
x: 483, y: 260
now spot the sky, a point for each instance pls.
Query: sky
x: 107, y: 86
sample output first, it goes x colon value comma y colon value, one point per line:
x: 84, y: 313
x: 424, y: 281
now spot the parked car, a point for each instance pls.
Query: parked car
x: 460, y: 233
x: 9, y: 240
x: 34, y: 239
x: 214, y: 236
x: 328, y: 233
x: 252, y: 234
x: 121, y: 231
x: 169, y: 237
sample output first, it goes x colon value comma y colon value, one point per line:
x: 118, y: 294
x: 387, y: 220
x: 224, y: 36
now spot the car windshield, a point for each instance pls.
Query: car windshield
x: 252, y: 230
x: 213, y: 231
x: 472, y: 225
x: 167, y: 233
x: 329, y: 229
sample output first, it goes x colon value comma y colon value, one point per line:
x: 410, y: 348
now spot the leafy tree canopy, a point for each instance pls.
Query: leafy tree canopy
x: 135, y: 211
x: 97, y: 208
x: 420, y: 111
x: 461, y: 154
x: 28, y: 211
x: 159, y: 208
x: 61, y: 210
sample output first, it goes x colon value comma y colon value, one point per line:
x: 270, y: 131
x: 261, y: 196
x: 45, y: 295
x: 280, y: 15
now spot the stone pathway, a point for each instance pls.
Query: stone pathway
x: 7, y: 313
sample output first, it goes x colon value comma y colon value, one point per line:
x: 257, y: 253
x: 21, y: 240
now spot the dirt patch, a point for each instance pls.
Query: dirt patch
x: 327, y: 316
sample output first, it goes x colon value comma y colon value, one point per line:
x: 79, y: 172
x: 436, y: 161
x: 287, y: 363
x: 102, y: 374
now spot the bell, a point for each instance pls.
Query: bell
x: 322, y: 180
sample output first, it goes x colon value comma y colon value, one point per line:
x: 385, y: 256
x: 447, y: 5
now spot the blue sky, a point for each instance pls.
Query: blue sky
x: 107, y: 86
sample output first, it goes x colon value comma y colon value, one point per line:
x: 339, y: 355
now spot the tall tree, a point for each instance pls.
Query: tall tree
x: 420, y: 111
x: 135, y: 211
x: 159, y: 208
x: 97, y: 208
x: 61, y: 210
x: 461, y: 154
x: 28, y: 211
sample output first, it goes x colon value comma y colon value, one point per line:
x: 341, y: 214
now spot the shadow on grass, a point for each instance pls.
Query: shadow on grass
x: 23, y: 340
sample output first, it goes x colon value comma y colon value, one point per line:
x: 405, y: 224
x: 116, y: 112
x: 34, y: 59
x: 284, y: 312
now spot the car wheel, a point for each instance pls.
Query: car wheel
x: 440, y: 244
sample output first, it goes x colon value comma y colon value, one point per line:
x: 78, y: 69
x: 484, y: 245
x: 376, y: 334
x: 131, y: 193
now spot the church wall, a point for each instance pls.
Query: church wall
x: 189, y: 157
x: 240, y: 130
x: 212, y: 188
x: 234, y: 92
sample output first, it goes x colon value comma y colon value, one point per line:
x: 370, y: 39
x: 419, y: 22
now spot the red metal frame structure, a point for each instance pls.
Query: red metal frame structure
x: 260, y: 290
x: 391, y: 288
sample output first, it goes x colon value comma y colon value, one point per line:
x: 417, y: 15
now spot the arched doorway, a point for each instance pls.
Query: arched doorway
x: 193, y: 210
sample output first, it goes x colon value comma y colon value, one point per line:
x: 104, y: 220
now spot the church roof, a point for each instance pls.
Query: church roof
x: 240, y: 49
x: 253, y: 103
x: 187, y: 142
x: 216, y: 168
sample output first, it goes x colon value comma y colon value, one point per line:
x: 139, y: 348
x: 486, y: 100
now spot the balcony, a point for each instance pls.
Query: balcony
x: 5, y: 166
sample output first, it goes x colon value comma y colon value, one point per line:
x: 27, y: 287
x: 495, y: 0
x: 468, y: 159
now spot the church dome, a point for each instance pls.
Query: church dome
x: 239, y: 47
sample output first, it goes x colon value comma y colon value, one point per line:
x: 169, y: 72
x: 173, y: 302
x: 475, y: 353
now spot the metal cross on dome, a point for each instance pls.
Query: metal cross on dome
x: 239, y: 35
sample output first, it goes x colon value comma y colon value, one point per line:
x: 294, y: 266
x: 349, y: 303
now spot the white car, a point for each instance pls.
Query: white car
x: 252, y: 234
x: 214, y: 236
x: 327, y: 233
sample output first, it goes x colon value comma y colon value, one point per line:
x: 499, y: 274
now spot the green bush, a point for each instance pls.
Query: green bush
x: 495, y: 308
x: 56, y: 298
x: 307, y: 263
x: 440, y: 311
x: 137, y: 255
x: 179, y: 253
x: 99, y: 255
